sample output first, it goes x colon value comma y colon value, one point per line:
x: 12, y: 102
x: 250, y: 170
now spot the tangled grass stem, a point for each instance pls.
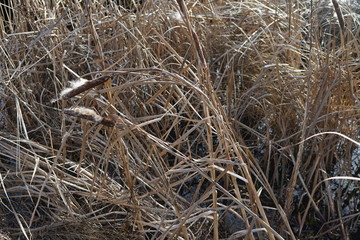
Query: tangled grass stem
x: 187, y: 119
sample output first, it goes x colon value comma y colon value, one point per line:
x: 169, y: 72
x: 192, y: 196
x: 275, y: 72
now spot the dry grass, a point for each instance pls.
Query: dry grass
x: 179, y: 120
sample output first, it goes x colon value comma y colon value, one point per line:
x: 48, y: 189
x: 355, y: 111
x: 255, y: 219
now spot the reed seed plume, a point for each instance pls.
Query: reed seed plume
x: 78, y: 83
x: 81, y: 85
x: 83, y: 112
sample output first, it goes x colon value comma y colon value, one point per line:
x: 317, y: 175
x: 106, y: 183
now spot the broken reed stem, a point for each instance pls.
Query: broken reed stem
x: 339, y: 16
x: 194, y: 36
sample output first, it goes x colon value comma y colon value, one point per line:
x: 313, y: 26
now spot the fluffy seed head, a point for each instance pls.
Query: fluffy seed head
x: 64, y: 92
x: 83, y: 112
x: 78, y: 83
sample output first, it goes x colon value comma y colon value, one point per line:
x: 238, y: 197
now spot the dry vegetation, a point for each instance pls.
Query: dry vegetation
x: 179, y: 120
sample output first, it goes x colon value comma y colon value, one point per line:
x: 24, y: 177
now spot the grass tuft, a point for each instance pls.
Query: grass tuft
x: 179, y: 119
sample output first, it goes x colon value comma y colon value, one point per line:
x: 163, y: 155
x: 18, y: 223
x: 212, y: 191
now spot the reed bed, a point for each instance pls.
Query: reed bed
x: 179, y: 120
